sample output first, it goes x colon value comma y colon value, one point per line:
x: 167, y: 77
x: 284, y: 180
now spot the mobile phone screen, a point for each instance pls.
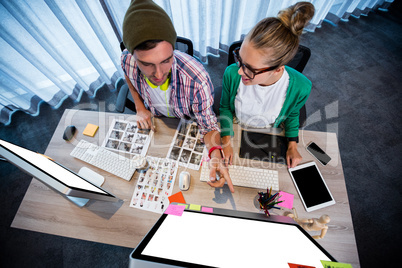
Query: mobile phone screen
x: 318, y: 153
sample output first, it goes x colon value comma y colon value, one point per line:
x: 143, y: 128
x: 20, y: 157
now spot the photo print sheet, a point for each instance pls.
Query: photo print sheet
x: 186, y: 147
x: 155, y: 186
x: 125, y: 136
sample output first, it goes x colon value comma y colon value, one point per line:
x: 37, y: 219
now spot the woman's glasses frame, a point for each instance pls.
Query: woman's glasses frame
x: 247, y: 70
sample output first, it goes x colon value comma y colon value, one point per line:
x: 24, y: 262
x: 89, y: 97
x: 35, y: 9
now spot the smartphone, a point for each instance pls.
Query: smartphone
x: 310, y: 185
x: 318, y: 153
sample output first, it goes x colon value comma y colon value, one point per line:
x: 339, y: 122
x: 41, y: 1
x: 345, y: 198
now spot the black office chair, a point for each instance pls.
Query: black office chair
x: 124, y: 98
x: 298, y: 63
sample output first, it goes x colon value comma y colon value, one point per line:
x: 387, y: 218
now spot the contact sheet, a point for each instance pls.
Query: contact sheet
x: 155, y: 185
x: 186, y: 147
x: 125, y: 136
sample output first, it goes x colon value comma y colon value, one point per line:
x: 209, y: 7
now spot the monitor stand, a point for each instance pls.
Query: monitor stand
x: 90, y: 176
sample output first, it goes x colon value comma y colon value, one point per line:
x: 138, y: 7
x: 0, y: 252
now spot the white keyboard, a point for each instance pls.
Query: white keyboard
x: 248, y: 177
x: 104, y: 159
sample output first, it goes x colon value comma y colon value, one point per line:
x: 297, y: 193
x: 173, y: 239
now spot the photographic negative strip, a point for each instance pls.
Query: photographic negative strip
x: 183, y: 127
x: 195, y: 159
x: 186, y: 146
x: 199, y: 146
x: 155, y: 186
x: 184, y: 156
x: 128, y: 137
x: 193, y: 131
x: 141, y: 139
x: 189, y: 143
x: 125, y: 136
x: 174, y: 153
x: 124, y: 146
x: 132, y: 127
x: 119, y: 125
x: 116, y: 135
x: 179, y: 140
x: 111, y: 144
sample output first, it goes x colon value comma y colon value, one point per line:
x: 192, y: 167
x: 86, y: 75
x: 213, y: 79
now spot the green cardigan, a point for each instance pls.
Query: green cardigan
x: 296, y: 96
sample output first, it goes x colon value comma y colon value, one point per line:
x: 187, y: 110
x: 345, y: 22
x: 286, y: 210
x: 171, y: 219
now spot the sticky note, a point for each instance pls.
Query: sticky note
x: 185, y: 205
x: 90, y: 130
x: 176, y: 210
x: 195, y: 207
x: 287, y: 200
x: 330, y: 264
x: 177, y: 197
x: 209, y: 210
x: 293, y: 265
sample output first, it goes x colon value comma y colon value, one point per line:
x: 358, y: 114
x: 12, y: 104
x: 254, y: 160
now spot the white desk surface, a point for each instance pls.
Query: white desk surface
x: 44, y: 210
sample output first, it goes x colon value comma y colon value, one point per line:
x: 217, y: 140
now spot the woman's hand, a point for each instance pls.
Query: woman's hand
x: 216, y: 165
x: 293, y: 157
x: 227, y: 150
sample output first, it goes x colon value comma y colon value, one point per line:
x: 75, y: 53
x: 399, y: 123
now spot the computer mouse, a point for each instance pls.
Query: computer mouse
x: 184, y: 180
x: 69, y: 133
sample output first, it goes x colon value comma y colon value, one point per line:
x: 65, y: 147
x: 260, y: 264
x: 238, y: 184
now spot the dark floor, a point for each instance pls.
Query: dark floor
x: 356, y: 73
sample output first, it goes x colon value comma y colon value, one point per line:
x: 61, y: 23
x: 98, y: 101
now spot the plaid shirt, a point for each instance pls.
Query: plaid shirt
x: 191, y: 89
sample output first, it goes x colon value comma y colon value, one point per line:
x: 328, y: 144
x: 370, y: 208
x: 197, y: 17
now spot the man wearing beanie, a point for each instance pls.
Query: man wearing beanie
x: 167, y: 82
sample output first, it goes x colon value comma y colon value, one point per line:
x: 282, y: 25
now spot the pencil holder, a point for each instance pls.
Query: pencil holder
x: 268, y: 201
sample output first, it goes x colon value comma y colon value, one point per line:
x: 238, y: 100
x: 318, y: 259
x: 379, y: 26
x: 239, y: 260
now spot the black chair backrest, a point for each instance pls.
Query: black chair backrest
x: 298, y: 62
x: 301, y: 58
x: 232, y: 47
x: 182, y: 44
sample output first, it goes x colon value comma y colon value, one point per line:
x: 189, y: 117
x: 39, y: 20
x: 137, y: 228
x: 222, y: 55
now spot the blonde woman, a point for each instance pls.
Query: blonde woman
x: 259, y: 90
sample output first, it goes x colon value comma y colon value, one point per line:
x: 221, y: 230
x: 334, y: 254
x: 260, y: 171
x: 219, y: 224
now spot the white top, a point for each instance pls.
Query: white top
x: 160, y: 100
x: 259, y: 106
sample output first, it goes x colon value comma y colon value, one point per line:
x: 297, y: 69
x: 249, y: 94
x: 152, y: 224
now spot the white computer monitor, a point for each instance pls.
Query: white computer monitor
x: 53, y: 174
x: 227, y: 238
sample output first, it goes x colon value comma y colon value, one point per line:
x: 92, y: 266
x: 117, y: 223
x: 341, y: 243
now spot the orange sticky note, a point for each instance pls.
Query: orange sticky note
x: 90, y: 130
x: 177, y: 197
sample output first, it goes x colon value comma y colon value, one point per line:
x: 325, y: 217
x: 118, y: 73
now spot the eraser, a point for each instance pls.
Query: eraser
x: 90, y: 130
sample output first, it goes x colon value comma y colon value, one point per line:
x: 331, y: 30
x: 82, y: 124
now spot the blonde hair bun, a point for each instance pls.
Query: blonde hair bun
x: 296, y: 17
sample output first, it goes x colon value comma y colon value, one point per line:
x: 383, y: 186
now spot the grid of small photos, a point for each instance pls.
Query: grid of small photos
x: 187, y: 147
x: 155, y: 186
x: 125, y: 136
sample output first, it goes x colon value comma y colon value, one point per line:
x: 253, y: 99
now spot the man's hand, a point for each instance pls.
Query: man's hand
x: 144, y: 119
x: 144, y: 116
x: 293, y: 157
x: 216, y: 165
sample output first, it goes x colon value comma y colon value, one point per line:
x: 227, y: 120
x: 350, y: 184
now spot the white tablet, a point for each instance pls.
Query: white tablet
x: 311, y: 186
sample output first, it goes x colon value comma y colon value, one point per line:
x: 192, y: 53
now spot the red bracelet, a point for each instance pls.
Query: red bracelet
x: 213, y: 149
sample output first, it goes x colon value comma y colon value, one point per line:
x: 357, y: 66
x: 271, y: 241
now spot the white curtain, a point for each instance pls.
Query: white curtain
x: 51, y: 50
x: 212, y: 25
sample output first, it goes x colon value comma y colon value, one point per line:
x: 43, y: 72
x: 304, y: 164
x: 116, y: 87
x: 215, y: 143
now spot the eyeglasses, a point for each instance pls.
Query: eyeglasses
x: 247, y: 70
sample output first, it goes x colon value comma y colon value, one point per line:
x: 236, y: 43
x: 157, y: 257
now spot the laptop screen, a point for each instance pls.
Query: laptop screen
x: 209, y: 240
